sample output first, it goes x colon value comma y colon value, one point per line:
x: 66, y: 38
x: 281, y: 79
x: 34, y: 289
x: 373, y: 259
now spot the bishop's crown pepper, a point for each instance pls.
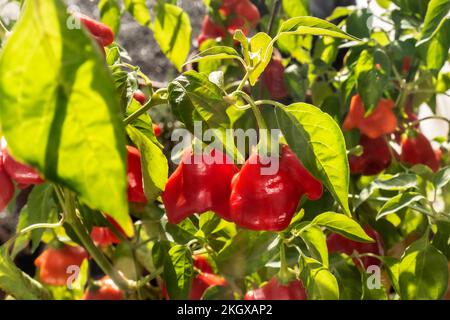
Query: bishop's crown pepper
x: 376, y: 157
x: 416, y: 149
x: 104, y: 236
x: 274, y: 290
x: 134, y: 174
x: 273, y: 79
x: 22, y: 174
x: 268, y: 201
x: 205, y: 279
x: 199, y: 184
x: 381, y: 121
x: 105, y: 289
x: 6, y: 186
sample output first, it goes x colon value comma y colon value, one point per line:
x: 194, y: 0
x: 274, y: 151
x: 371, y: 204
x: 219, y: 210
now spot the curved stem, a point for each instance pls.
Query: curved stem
x: 410, y: 124
x: 80, y: 230
x: 156, y: 100
x: 259, y: 118
x: 242, y: 83
x: 270, y: 102
x: 273, y: 15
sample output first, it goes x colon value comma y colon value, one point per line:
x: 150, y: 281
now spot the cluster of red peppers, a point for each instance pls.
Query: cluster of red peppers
x: 247, y: 197
x: 239, y: 14
x: 377, y: 154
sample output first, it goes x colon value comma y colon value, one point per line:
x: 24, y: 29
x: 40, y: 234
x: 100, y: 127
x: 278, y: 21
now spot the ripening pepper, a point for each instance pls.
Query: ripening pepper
x: 210, y: 30
x: 376, y: 157
x: 273, y: 79
x: 273, y: 290
x: 20, y: 173
x: 6, y: 186
x: 140, y: 97
x: 205, y: 279
x: 104, y: 289
x: 381, y: 121
x: 134, y: 173
x: 104, y: 236
x: 268, y: 201
x: 101, y: 32
x: 53, y: 264
x: 199, y: 184
x: 246, y: 17
x: 339, y: 244
x: 156, y: 130
x: 416, y: 149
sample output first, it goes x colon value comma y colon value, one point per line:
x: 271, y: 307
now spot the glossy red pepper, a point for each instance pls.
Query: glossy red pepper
x: 53, y: 264
x: 106, y: 289
x: 273, y: 290
x: 140, y: 97
x: 210, y: 30
x: 104, y: 236
x: 247, y: 17
x: 199, y: 184
x: 418, y: 150
x: 134, y: 173
x: 101, y: 32
x: 381, y: 121
x: 376, y: 157
x: 268, y: 202
x: 205, y: 279
x: 20, y: 173
x: 339, y: 244
x: 273, y: 79
x: 6, y: 186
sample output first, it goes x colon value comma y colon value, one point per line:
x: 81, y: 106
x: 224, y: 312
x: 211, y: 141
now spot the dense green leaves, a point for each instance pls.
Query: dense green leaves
x: 172, y: 31
x: 59, y: 110
x: 318, y: 142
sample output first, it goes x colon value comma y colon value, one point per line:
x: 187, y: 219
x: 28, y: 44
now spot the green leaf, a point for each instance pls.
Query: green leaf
x: 40, y: 208
x: 392, y: 266
x: 110, y: 14
x: 155, y: 169
x: 247, y: 252
x: 316, y: 242
x: 401, y: 181
x: 343, y: 225
x: 313, y: 26
x: 348, y: 277
x: 437, y: 11
x: 318, y: 142
x: 296, y: 78
x: 423, y: 273
x: 371, y: 81
x: 59, y: 109
x: 138, y: 9
x: 178, y: 273
x: 172, y: 31
x: 17, y: 283
x: 441, y: 178
x: 399, y: 202
x: 357, y: 23
x: 435, y: 52
x: 260, y: 55
x: 320, y: 282
x: 296, y: 8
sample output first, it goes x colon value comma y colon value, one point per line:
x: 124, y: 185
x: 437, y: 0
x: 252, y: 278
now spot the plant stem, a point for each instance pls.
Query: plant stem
x: 74, y: 221
x: 242, y: 83
x: 283, y: 274
x: 156, y: 99
x: 273, y: 15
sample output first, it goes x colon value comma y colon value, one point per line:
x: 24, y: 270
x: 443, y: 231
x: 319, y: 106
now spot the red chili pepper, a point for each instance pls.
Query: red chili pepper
x: 268, y: 202
x: 418, y: 150
x: 53, y: 264
x: 273, y: 290
x: 273, y: 79
x: 205, y: 279
x: 156, y: 130
x: 380, y: 122
x: 101, y: 32
x: 199, y: 184
x: 376, y: 157
x: 140, y: 97
x: 339, y: 244
x: 106, y: 290
x: 6, y: 186
x: 104, y: 236
x: 406, y: 64
x: 20, y: 173
x: 210, y: 30
x: 135, y: 189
